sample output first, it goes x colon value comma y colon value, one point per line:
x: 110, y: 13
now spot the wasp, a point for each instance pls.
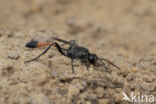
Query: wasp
x: 74, y: 51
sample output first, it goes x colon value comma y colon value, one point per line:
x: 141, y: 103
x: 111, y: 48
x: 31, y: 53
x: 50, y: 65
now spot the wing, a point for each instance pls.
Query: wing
x: 61, y: 40
x: 71, y: 42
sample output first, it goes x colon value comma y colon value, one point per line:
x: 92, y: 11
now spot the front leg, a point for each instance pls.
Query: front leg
x: 104, y: 65
x: 86, y: 63
x: 87, y: 66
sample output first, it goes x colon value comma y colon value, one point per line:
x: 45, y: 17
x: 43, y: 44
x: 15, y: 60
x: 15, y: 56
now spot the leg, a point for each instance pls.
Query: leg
x: 39, y: 54
x: 45, y: 51
x: 72, y: 65
x: 104, y: 66
x: 87, y: 65
x: 85, y: 62
x: 60, y: 49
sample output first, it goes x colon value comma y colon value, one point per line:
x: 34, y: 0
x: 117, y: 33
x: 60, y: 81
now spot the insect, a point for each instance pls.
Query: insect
x: 74, y: 51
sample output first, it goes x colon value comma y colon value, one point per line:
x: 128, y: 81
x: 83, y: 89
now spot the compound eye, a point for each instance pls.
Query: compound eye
x: 91, y: 57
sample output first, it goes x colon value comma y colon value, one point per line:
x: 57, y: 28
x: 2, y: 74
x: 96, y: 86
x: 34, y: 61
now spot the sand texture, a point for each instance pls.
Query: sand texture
x: 123, y: 31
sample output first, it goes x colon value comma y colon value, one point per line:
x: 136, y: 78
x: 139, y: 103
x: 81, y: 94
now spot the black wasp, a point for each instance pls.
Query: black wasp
x: 73, y: 52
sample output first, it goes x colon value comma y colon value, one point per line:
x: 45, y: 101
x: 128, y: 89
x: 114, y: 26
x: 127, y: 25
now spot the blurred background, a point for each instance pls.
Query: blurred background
x: 128, y: 25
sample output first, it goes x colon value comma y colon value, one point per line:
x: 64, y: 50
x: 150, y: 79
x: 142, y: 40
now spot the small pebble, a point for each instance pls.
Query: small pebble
x: 81, y: 86
x: 91, y: 97
x: 93, y: 84
x: 6, y: 32
x: 62, y: 91
x: 103, y: 101
x: 88, y: 102
x: 8, y: 70
x: 40, y: 99
x: 118, y: 98
x: 14, y: 55
x: 130, y: 77
x: 39, y: 36
x: 72, y: 90
x: 148, y: 79
x: 99, y: 91
x: 143, y: 63
x: 145, y: 86
x: 55, y: 74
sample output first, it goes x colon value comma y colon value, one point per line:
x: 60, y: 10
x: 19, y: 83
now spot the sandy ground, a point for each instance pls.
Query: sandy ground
x: 123, y: 31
